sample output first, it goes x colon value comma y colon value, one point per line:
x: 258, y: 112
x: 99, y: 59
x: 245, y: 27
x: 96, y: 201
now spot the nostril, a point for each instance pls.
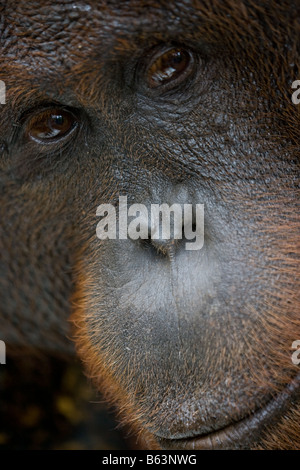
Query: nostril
x: 163, y: 248
x: 166, y: 248
x: 167, y: 231
x: 164, y: 228
x: 171, y: 227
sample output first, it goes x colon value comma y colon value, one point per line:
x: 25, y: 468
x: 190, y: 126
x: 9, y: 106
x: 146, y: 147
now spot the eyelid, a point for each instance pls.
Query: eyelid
x: 36, y: 115
x: 170, y: 85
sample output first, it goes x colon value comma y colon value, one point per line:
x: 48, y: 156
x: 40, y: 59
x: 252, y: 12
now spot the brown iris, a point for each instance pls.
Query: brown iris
x: 170, y: 66
x: 50, y: 125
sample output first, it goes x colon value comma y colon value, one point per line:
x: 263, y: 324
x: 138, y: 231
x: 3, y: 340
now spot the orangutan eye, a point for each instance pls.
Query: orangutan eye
x: 51, y: 125
x: 169, y: 68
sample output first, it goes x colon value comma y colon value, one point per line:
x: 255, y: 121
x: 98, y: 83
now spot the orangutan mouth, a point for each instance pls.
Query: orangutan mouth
x: 242, y: 434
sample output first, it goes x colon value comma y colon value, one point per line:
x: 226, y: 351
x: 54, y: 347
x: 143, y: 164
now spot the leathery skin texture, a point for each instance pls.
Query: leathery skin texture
x: 184, y: 102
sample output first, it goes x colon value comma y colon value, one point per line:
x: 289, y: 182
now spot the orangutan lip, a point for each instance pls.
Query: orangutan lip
x: 240, y: 435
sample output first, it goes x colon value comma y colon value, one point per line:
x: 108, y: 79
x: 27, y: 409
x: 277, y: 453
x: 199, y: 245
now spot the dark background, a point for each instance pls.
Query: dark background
x: 47, y: 403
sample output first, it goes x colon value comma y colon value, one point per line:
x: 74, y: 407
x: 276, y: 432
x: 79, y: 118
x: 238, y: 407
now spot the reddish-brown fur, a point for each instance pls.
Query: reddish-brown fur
x: 51, y: 258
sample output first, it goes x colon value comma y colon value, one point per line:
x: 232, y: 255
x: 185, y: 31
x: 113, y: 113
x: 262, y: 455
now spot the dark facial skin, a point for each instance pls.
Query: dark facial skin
x: 192, y: 347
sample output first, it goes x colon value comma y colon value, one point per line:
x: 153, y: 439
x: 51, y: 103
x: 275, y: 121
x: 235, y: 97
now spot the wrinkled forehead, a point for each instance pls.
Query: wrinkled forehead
x: 88, y: 40
x: 49, y: 25
x: 56, y: 29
